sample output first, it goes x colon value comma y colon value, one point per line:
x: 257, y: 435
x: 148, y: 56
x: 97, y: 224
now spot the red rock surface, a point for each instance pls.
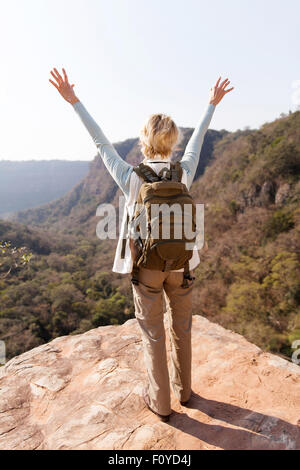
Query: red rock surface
x: 84, y: 392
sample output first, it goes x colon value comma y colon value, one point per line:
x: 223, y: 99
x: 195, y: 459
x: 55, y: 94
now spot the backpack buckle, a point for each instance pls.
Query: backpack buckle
x: 189, y: 277
x: 164, y: 175
x: 135, y: 275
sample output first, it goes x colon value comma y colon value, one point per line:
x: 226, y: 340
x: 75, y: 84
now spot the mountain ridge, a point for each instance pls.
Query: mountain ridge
x: 25, y: 184
x: 248, y: 279
x: 78, y: 206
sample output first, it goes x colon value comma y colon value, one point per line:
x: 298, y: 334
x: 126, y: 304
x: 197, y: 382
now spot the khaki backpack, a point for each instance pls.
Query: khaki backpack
x: 157, y: 229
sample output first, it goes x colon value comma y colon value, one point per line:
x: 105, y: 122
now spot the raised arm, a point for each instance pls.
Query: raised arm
x: 192, y: 152
x: 117, y: 167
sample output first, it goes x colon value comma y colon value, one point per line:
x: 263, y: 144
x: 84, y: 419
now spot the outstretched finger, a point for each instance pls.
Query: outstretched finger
x: 53, y: 84
x: 56, y: 78
x: 224, y: 81
x: 58, y: 74
x: 217, y: 83
x: 226, y: 84
x: 65, y: 76
x: 227, y: 91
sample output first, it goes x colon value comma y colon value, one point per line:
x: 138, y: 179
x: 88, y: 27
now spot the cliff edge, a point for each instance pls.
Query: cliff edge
x: 84, y: 392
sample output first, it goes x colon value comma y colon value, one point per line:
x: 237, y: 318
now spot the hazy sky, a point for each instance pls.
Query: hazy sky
x: 131, y: 58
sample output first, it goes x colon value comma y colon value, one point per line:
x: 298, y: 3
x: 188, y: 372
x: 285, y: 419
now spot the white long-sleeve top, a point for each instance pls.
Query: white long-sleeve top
x: 129, y: 182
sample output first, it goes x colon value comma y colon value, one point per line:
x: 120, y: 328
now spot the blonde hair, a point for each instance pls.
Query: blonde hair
x: 158, y: 136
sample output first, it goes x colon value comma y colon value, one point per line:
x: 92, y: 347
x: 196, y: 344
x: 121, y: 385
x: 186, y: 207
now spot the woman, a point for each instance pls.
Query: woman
x: 157, y: 139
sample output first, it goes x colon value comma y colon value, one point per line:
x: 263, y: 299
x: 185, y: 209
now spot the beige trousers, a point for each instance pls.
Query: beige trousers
x: 149, y: 303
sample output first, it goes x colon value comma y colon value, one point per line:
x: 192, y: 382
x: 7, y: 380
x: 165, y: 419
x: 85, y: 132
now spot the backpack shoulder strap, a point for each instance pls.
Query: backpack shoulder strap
x: 176, y: 171
x: 146, y: 173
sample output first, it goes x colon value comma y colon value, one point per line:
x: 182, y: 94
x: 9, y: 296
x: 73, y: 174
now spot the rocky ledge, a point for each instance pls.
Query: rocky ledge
x: 84, y: 392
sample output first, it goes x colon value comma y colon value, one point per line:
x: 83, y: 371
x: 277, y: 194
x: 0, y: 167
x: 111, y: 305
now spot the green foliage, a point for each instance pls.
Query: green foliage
x: 246, y: 299
x: 234, y: 207
x: 282, y: 158
x: 236, y: 175
x: 266, y: 294
x: 64, y: 296
x: 280, y: 221
x: 112, y: 310
x: 64, y: 292
x: 247, y: 267
x: 276, y: 141
x: 247, y: 279
x: 100, y: 287
x: 283, y: 282
x: 12, y: 258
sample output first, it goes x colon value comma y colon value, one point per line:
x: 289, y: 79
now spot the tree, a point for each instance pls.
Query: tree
x: 12, y: 258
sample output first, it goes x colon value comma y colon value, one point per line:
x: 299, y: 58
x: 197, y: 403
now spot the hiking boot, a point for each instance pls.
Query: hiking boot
x: 164, y: 418
x: 184, y: 403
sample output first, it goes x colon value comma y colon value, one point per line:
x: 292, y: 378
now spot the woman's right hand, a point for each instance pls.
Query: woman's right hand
x: 63, y: 86
x: 218, y: 92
